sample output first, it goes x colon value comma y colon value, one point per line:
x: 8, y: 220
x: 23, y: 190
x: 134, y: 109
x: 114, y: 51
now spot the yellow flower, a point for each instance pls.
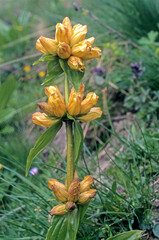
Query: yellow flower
x: 90, y: 100
x: 82, y: 48
x: 86, y: 183
x: 85, y: 197
x: 94, y: 113
x: 63, y: 50
x: 76, y: 63
x: 59, y: 210
x: 40, y: 47
x: 27, y: 68
x: 94, y: 53
x: 78, y: 34
x: 1, y: 166
x: 42, y: 119
x: 76, y: 107
x: 70, y: 43
x: 78, y: 193
x: 74, y: 190
x: 48, y: 44
x: 58, y: 189
x: 74, y: 103
x: 20, y: 28
x: 41, y: 74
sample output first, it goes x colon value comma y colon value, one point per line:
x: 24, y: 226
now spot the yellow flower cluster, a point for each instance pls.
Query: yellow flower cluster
x: 76, y: 107
x: 70, y: 43
x: 77, y: 193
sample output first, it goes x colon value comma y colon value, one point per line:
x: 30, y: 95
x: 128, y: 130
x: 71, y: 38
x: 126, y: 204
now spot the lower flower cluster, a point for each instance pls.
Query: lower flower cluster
x: 56, y: 108
x: 77, y: 193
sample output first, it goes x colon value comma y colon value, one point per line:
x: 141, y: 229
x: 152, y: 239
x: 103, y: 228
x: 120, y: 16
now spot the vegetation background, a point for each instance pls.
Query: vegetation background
x: 121, y: 149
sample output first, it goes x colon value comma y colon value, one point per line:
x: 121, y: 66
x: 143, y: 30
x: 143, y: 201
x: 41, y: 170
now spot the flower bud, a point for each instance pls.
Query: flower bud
x: 85, y: 197
x: 59, y: 210
x: 59, y: 189
x: 86, y: 183
x: 76, y: 63
x: 74, y: 103
x: 42, y: 119
x: 40, y: 47
x: 63, y: 50
x: 94, y: 53
x: 82, y: 48
x: 67, y: 23
x: 70, y: 206
x: 74, y: 190
x: 61, y: 34
x: 55, y: 182
x: 78, y: 34
x: 53, y: 89
x: 90, y: 100
x: 46, y: 108
x: 57, y: 105
x: 94, y: 113
x: 49, y: 45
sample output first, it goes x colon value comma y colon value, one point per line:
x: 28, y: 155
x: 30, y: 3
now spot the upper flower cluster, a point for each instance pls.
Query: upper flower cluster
x: 76, y: 107
x: 70, y: 43
x: 77, y: 193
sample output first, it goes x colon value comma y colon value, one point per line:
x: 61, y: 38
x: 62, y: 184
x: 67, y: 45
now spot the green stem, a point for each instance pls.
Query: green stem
x: 70, y: 163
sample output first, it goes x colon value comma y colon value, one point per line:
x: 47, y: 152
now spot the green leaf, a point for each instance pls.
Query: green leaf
x: 6, y: 90
x: 65, y: 227
x: 156, y: 230
x: 131, y: 235
x: 74, y: 76
x: 45, y: 58
x: 53, y: 71
x: 78, y: 141
x: 42, y: 142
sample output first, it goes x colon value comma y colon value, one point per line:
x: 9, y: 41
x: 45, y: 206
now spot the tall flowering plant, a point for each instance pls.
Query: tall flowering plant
x: 66, y: 54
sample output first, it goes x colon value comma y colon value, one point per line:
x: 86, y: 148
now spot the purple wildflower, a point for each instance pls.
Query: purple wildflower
x: 33, y: 171
x: 137, y: 69
x: 99, y: 71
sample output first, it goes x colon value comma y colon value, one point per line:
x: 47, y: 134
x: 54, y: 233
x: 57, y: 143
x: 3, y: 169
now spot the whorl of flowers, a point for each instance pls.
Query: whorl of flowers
x: 70, y: 43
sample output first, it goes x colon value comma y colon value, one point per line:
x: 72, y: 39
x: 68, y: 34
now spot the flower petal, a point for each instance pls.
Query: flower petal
x: 90, y: 100
x: 76, y: 63
x: 79, y: 34
x: 94, y: 113
x: 42, y: 119
x: 49, y: 45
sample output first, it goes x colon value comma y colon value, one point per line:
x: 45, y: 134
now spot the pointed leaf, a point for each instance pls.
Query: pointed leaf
x: 74, y: 76
x: 42, y: 142
x: 45, y: 58
x: 78, y: 141
x: 65, y: 227
x: 6, y: 90
x: 53, y: 71
x: 131, y: 235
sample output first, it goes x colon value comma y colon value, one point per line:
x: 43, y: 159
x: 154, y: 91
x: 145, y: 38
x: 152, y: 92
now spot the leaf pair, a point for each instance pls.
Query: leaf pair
x: 49, y: 135
x: 56, y: 66
x: 65, y: 227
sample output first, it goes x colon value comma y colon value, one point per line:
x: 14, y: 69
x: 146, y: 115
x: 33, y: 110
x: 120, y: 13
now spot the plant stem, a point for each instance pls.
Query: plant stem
x: 70, y: 163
